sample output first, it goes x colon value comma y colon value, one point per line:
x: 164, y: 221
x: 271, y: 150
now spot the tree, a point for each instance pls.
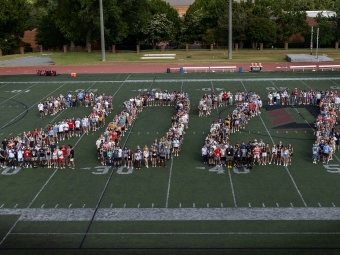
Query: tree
x: 159, y: 29
x: 289, y: 23
x: 262, y: 30
x: 327, y: 29
x: 13, y: 17
x: 49, y: 35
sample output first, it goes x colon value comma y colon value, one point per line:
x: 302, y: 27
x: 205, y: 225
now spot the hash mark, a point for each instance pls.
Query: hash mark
x: 70, y: 206
x: 56, y: 206
x: 277, y: 204
x: 152, y: 205
x: 319, y: 205
x: 111, y: 205
x: 138, y: 205
x: 15, y: 206
x: 332, y: 204
x: 208, y: 205
x: 249, y: 204
x: 291, y: 205
x: 263, y: 205
x: 42, y: 206
x: 2, y: 205
x: 180, y: 205
x: 84, y: 206
x: 124, y: 205
x: 221, y: 205
x: 193, y: 205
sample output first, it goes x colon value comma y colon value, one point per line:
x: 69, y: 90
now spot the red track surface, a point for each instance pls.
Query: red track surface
x: 151, y: 68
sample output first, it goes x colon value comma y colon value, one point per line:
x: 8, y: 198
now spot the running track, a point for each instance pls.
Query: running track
x: 145, y: 68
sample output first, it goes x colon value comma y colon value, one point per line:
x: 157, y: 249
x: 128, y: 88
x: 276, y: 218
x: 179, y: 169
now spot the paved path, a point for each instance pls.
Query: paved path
x: 29, y: 61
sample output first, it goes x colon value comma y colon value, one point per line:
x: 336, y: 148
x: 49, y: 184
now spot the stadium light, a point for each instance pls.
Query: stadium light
x: 102, y: 37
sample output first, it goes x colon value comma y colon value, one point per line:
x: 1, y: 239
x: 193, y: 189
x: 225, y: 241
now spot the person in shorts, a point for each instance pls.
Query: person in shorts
x: 71, y: 156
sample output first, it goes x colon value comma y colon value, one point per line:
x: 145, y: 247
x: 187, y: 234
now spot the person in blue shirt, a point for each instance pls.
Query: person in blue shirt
x: 326, y: 149
x: 80, y: 97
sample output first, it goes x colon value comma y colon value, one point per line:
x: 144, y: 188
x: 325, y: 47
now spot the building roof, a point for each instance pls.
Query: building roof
x: 313, y: 14
x: 180, y: 2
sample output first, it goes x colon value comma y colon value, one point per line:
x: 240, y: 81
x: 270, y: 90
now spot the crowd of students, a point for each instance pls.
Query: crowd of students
x: 108, y: 144
x: 327, y: 138
x: 217, y: 149
x: 52, y: 105
x: 40, y: 147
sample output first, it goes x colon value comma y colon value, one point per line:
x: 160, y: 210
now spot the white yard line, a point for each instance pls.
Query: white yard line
x: 42, y: 188
x: 63, y: 111
x: 232, y: 188
x: 230, y: 178
x: 168, y: 192
x: 271, y: 138
x: 22, y: 91
x: 9, y: 231
x: 32, y: 105
x: 55, y: 170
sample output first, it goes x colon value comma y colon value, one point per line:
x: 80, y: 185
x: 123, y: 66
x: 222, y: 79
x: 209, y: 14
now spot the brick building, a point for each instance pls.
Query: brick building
x: 181, y: 6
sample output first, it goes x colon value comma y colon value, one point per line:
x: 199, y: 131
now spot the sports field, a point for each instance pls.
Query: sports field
x: 187, y: 205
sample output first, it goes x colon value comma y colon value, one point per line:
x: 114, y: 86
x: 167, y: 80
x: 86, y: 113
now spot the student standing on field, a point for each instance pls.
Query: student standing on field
x: 71, y: 156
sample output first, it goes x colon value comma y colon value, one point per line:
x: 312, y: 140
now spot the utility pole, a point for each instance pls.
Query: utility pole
x: 311, y: 42
x: 102, y: 37
x: 317, y: 44
x: 230, y: 32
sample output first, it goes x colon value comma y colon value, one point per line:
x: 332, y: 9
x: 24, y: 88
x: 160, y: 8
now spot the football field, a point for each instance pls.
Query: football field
x: 187, y: 205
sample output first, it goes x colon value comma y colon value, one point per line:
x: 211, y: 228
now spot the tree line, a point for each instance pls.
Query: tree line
x: 148, y: 22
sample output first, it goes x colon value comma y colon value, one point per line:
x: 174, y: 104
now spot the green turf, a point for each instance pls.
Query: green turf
x: 301, y: 184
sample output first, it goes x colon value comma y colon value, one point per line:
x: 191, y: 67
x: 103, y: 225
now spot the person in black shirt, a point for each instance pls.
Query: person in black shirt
x: 230, y: 156
x: 42, y: 156
x: 4, y: 143
x: 71, y: 155
x: 34, y: 158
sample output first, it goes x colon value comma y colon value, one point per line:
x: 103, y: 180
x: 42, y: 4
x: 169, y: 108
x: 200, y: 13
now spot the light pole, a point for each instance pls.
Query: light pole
x: 230, y: 32
x: 102, y: 37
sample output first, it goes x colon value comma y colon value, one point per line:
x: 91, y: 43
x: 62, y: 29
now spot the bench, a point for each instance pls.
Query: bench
x: 281, y: 68
x: 196, y: 68
x: 172, y: 69
x: 313, y: 67
x: 329, y: 67
x: 223, y: 68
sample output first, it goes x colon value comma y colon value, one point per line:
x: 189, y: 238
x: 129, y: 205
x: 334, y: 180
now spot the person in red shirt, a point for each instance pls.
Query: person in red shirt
x: 86, y: 99
x: 65, y: 154
x: 225, y: 98
x: 27, y: 157
x: 71, y: 127
x: 217, y: 153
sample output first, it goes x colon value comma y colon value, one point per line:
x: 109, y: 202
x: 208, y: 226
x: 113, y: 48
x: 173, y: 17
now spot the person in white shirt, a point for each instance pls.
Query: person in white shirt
x: 61, y: 131
x: 41, y: 109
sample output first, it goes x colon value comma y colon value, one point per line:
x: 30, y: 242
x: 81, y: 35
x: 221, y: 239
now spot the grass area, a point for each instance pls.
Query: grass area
x: 182, y: 57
